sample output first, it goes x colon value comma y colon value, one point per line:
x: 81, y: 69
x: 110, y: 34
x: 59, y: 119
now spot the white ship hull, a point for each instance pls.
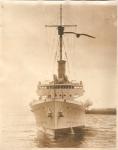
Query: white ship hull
x: 50, y: 121
x: 56, y: 109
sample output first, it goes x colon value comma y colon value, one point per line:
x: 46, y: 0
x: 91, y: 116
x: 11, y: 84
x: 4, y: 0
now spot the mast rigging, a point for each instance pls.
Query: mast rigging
x: 60, y: 28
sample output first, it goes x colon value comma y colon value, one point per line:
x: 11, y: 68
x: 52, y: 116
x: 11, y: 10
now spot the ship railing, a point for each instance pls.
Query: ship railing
x: 56, y: 99
x: 60, y: 86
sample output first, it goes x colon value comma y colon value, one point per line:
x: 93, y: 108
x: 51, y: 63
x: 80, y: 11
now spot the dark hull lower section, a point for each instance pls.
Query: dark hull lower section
x: 62, y: 131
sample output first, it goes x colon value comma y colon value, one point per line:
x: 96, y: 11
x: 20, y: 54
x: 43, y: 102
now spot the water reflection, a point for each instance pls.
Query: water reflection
x: 65, y: 140
x: 20, y: 132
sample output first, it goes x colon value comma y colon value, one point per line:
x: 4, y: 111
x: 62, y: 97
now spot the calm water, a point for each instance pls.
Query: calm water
x: 19, y: 132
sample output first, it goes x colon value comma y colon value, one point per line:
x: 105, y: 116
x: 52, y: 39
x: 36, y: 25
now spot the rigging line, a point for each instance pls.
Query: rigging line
x: 69, y: 12
x: 58, y: 15
x: 51, y: 39
x: 47, y: 42
x: 58, y: 49
x: 68, y: 43
x: 66, y: 15
x: 68, y: 66
x: 73, y: 41
x: 69, y: 47
x: 66, y: 57
x: 47, y: 34
x: 54, y: 62
x: 72, y: 46
x: 68, y: 63
x: 61, y: 14
x: 49, y: 46
x: 74, y: 52
x: 54, y: 11
x: 63, y: 45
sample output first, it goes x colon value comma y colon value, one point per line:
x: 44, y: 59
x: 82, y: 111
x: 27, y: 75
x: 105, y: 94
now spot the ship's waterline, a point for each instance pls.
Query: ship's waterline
x: 54, y: 115
x: 19, y: 131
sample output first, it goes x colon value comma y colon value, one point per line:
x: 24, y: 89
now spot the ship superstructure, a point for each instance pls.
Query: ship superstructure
x: 56, y: 108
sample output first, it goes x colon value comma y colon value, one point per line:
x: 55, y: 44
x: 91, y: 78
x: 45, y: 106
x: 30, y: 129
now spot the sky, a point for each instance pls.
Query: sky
x: 27, y: 51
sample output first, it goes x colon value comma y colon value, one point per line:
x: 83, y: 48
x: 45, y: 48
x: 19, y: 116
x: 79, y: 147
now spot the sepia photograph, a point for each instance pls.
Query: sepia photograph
x: 58, y: 74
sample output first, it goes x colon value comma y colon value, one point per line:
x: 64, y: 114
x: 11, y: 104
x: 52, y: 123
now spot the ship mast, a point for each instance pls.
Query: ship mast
x: 61, y: 28
x: 61, y: 63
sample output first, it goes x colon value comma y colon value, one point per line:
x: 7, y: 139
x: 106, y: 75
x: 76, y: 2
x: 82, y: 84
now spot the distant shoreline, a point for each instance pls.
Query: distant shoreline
x: 106, y: 111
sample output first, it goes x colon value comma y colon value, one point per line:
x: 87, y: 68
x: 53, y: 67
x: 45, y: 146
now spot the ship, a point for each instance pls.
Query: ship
x: 57, y: 109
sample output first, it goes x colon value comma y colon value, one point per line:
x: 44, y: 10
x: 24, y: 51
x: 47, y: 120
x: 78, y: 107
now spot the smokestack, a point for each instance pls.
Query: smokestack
x: 61, y: 68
